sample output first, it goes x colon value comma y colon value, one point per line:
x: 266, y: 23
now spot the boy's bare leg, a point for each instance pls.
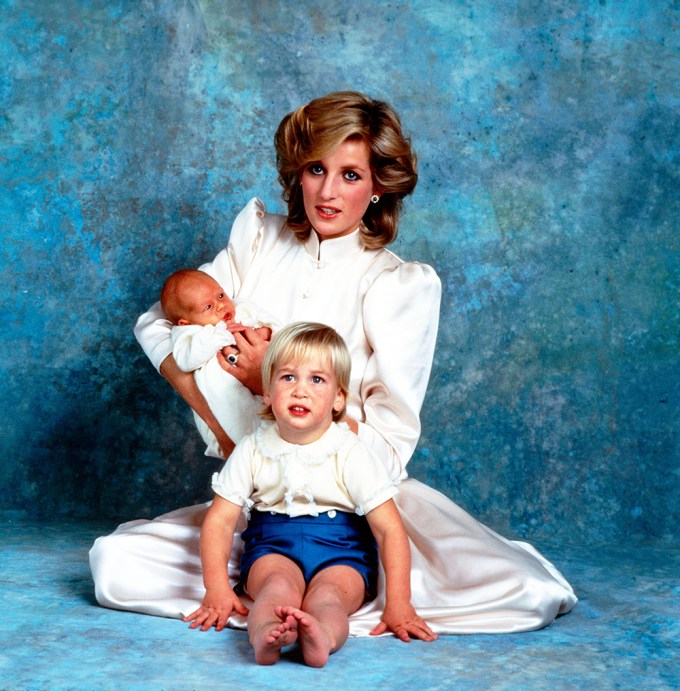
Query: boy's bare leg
x: 273, y: 580
x: 323, y: 618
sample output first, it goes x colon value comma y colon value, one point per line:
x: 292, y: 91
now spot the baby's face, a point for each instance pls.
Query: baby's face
x: 206, y: 303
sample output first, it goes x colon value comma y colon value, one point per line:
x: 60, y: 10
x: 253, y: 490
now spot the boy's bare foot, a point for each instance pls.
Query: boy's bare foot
x: 267, y: 644
x: 313, y: 639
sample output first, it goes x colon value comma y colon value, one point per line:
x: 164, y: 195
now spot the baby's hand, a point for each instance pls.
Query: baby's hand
x: 216, y: 610
x: 404, y: 622
x: 235, y: 327
x: 263, y: 332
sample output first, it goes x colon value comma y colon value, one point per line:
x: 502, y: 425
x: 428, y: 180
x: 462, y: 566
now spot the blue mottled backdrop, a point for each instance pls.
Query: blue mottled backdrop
x: 131, y: 132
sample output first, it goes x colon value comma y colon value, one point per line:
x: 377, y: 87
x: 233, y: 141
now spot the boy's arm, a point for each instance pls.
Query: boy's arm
x: 395, y: 553
x: 185, y: 385
x: 217, y: 535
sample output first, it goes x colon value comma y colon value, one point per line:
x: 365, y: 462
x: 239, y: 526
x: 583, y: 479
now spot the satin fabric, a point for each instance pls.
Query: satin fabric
x: 465, y: 578
x: 387, y: 311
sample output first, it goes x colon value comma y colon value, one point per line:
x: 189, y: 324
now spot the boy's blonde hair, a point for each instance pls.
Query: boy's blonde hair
x: 299, y: 342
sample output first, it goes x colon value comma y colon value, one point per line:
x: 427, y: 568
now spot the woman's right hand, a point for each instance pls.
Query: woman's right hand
x: 251, y: 346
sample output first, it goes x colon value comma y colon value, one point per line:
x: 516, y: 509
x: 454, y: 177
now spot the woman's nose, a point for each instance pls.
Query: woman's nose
x: 328, y: 189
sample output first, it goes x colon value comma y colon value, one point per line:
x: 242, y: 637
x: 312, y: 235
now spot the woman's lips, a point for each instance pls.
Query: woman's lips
x: 327, y: 211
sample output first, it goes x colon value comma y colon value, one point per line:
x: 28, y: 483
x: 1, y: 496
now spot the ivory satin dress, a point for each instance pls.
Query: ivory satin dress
x: 465, y: 577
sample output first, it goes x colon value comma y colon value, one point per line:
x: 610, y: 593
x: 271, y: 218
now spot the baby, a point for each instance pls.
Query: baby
x: 204, y: 319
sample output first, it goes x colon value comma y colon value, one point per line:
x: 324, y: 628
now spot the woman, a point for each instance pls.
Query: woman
x: 345, y: 167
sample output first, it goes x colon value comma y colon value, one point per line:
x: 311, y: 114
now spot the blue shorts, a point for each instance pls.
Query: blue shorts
x: 313, y: 542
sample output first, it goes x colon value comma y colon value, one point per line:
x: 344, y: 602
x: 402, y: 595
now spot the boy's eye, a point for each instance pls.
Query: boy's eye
x: 287, y: 377
x: 316, y: 379
x: 207, y: 308
x: 220, y: 296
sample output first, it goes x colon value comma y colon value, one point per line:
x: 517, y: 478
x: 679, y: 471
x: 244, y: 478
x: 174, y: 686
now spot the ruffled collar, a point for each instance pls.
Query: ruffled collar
x: 334, y: 249
x: 297, y: 462
x: 271, y: 445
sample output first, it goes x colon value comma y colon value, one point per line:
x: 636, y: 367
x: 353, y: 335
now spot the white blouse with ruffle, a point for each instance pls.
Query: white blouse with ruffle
x: 334, y: 473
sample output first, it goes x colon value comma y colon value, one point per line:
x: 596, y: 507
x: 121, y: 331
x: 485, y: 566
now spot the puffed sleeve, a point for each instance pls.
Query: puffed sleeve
x: 366, y: 479
x: 401, y: 317
x: 235, y: 481
x: 152, y: 330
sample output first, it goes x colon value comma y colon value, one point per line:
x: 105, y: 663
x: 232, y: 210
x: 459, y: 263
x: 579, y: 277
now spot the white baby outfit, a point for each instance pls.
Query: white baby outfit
x: 194, y: 348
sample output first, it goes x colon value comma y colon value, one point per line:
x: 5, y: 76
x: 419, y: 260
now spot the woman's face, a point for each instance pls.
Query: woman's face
x: 337, y: 189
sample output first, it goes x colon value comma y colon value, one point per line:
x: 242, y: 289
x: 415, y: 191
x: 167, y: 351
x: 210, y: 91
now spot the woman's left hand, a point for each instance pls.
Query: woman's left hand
x: 250, y: 349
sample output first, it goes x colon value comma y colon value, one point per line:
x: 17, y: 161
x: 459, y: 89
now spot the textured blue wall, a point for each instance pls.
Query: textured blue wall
x: 547, y: 131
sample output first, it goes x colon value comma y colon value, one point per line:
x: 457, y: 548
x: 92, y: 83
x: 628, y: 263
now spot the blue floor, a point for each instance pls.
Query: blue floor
x: 624, y: 633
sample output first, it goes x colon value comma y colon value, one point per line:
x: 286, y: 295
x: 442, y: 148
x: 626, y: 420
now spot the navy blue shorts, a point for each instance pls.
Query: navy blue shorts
x: 313, y: 542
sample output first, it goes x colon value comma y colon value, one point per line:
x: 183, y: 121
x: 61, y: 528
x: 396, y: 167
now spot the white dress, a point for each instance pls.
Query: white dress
x: 194, y: 348
x: 465, y: 578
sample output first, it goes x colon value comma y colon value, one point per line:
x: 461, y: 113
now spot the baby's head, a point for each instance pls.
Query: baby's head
x: 308, y: 343
x: 194, y: 297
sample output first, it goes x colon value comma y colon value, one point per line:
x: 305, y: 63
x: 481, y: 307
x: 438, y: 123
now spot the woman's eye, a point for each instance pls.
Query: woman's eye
x: 352, y: 176
x: 315, y: 169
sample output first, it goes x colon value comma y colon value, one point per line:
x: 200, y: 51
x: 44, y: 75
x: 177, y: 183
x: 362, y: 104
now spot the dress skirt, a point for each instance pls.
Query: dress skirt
x: 465, y: 578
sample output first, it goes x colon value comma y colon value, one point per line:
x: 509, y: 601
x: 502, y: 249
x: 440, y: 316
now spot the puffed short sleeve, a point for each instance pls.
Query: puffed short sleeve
x: 228, y: 269
x: 366, y: 478
x: 235, y: 481
x: 401, y: 318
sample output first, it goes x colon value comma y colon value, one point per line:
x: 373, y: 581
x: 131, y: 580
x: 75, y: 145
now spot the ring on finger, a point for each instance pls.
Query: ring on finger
x: 232, y: 359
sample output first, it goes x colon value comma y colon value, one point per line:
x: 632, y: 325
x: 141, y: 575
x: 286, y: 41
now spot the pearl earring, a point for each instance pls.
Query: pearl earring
x: 375, y: 199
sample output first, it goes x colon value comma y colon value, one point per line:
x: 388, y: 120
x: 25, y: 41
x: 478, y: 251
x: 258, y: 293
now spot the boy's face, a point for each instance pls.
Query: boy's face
x: 303, y: 396
x: 205, y: 302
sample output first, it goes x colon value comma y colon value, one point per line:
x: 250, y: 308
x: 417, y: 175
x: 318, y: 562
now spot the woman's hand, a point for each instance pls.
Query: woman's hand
x: 404, y: 622
x: 250, y: 348
x: 216, y: 610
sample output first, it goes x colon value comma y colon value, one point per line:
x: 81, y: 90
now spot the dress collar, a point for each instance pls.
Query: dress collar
x: 334, y: 249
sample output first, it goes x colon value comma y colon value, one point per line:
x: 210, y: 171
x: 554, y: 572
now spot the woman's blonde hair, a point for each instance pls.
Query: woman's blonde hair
x: 299, y: 342
x: 313, y: 131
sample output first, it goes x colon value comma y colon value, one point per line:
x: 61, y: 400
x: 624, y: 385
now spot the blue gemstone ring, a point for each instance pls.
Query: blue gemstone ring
x: 232, y: 359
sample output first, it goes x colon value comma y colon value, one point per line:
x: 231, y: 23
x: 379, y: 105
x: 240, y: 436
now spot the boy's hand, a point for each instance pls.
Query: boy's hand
x: 404, y: 622
x: 216, y: 610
